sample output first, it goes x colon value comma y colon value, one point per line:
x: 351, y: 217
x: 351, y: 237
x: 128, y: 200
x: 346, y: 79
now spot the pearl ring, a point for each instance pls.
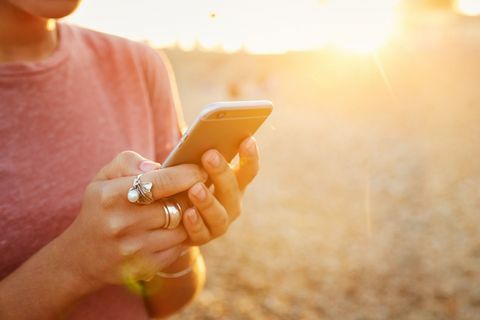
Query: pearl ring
x: 140, y: 192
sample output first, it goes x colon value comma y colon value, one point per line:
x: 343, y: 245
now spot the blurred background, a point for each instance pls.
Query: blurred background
x: 367, y: 205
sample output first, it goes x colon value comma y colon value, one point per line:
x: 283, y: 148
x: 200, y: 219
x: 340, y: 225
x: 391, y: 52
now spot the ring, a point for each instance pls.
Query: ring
x: 173, y: 213
x: 140, y: 192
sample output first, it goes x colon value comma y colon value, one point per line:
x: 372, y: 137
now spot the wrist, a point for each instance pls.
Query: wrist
x: 164, y: 296
x: 47, y: 283
x: 69, y: 269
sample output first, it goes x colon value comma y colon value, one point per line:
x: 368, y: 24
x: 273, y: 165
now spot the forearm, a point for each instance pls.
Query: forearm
x: 44, y: 287
x: 165, y: 296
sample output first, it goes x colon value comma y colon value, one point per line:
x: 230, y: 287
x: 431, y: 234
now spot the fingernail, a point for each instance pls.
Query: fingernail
x: 192, y: 216
x: 199, y: 192
x: 213, y: 159
x: 149, y: 165
x: 251, y: 145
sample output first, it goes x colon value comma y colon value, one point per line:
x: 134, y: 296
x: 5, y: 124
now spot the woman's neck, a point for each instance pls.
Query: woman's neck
x: 24, y: 37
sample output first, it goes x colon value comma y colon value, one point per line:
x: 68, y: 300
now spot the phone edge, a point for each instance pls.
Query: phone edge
x: 213, y: 107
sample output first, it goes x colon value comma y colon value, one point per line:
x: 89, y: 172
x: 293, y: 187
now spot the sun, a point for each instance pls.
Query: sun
x: 360, y: 26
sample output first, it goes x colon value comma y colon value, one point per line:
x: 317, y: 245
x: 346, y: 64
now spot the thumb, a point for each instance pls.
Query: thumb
x: 126, y: 163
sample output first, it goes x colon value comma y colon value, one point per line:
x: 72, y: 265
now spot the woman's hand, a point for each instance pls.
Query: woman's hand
x: 215, y: 208
x: 113, y: 240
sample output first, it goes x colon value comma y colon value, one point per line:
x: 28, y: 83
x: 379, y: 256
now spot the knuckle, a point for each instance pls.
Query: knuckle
x: 163, y: 180
x: 208, y: 202
x: 92, y: 191
x: 115, y: 225
x: 222, y: 168
x: 197, y: 229
x: 195, y: 172
x: 125, y: 161
x: 130, y: 247
x: 127, y: 155
x: 107, y: 197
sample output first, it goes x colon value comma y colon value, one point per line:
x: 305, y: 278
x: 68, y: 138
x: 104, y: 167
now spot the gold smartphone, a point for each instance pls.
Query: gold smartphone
x: 222, y: 126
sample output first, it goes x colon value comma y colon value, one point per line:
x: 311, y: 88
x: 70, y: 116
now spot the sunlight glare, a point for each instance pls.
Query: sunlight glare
x: 468, y: 7
x: 187, y: 43
x: 266, y: 26
x: 360, y: 26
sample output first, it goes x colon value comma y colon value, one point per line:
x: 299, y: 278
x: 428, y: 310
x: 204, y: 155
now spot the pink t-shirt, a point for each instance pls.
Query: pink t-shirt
x: 61, y: 120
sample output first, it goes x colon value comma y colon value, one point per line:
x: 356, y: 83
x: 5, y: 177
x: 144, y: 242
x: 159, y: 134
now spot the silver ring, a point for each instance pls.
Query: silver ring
x: 173, y: 213
x: 140, y: 192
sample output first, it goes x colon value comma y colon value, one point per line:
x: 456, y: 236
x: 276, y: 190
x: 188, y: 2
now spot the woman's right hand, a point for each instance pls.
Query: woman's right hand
x: 112, y: 240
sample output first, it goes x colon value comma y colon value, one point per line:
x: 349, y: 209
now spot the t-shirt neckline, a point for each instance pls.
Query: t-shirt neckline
x: 57, y: 57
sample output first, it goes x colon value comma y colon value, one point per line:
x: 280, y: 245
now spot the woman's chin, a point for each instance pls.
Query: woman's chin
x: 57, y: 9
x: 51, y: 9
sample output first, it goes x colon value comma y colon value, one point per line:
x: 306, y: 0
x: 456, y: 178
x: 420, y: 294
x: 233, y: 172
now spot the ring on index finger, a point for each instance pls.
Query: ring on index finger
x: 140, y: 192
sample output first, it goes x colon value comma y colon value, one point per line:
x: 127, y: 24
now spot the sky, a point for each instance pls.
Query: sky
x: 259, y: 26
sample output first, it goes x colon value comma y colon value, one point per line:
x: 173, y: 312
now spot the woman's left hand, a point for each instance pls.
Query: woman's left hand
x: 216, y: 208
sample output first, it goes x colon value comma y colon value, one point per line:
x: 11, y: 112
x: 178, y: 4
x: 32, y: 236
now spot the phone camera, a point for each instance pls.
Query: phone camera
x: 221, y: 115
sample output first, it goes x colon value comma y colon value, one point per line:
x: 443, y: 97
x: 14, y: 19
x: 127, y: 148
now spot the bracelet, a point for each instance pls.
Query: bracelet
x: 181, y: 273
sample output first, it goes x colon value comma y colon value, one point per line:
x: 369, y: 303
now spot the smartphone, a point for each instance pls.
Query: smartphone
x: 222, y: 126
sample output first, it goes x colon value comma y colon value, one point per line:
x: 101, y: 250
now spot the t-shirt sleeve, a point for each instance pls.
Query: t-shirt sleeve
x: 167, y: 115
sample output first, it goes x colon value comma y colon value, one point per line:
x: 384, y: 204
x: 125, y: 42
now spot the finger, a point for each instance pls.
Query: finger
x: 225, y: 181
x: 166, y: 182
x: 151, y: 241
x: 139, y: 218
x: 196, y: 229
x: 249, y: 164
x: 213, y: 213
x: 162, y: 239
x: 173, y: 180
x: 126, y: 163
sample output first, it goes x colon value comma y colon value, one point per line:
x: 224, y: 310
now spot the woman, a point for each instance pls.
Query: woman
x: 70, y: 101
